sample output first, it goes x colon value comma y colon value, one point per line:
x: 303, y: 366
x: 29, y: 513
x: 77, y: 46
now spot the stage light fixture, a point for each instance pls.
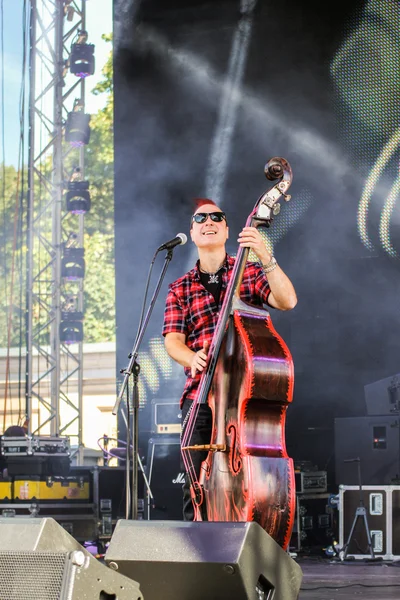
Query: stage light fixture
x: 82, y: 56
x: 77, y: 129
x: 78, y: 197
x: 73, y: 264
x: 71, y: 326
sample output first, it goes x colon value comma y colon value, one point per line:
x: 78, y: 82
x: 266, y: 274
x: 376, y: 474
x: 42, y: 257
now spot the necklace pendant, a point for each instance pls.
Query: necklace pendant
x: 213, y: 278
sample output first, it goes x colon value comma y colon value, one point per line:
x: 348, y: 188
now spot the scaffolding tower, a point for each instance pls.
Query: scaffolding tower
x: 54, y: 373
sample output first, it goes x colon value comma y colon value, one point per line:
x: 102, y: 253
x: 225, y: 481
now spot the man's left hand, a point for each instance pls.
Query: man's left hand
x: 250, y: 237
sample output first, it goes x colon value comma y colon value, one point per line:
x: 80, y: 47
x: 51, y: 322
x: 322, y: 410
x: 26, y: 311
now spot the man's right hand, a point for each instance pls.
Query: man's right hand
x: 199, y: 359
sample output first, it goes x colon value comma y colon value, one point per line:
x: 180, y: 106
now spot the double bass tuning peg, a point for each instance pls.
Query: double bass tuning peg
x: 281, y: 187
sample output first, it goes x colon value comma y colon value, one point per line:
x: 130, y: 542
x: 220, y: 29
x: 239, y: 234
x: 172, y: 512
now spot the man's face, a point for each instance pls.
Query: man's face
x: 209, y: 234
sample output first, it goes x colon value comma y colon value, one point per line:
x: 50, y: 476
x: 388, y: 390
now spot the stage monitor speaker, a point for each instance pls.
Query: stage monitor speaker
x: 43, y: 562
x: 176, y: 560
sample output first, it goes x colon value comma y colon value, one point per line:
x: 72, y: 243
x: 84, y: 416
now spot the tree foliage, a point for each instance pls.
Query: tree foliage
x: 99, y: 325
x: 99, y: 157
x: 12, y: 256
x: 99, y: 222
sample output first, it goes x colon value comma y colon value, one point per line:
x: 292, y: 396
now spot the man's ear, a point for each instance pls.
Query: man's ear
x: 227, y: 232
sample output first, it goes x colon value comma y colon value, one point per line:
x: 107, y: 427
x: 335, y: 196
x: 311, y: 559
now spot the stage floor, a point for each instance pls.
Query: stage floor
x: 323, y: 580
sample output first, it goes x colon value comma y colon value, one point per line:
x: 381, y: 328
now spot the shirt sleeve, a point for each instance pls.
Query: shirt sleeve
x: 262, y: 288
x: 174, y: 320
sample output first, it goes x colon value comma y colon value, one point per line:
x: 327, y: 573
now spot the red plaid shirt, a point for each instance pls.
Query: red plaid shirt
x: 190, y: 309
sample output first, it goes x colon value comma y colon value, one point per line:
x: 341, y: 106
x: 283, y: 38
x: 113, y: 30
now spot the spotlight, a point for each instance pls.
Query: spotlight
x: 71, y: 326
x: 73, y: 264
x: 78, y: 197
x: 71, y: 332
x: 77, y: 130
x: 82, y: 56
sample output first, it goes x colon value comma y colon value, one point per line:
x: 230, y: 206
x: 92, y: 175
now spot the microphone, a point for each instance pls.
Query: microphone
x: 180, y: 238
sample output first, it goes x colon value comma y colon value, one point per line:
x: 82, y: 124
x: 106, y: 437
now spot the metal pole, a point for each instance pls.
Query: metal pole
x: 56, y: 218
x: 29, y: 232
x: 81, y: 283
x: 49, y: 379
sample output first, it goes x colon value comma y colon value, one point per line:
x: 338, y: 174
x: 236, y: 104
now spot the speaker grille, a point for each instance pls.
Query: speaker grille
x: 33, y: 575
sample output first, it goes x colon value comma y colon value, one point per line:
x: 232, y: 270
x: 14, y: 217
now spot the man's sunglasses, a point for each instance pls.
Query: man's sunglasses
x: 217, y: 217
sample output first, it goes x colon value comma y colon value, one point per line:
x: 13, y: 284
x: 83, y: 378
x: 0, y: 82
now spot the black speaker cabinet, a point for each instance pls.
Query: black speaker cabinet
x: 203, y: 561
x: 165, y: 477
x: 375, y: 440
x: 43, y: 562
x: 111, y: 490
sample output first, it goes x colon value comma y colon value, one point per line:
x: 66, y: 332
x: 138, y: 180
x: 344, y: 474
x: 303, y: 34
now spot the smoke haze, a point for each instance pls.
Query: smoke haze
x: 192, y: 118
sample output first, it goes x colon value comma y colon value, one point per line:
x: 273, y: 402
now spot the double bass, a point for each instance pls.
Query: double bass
x: 248, y: 384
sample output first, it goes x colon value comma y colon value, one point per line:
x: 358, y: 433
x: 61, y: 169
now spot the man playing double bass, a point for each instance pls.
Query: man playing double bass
x: 194, y: 301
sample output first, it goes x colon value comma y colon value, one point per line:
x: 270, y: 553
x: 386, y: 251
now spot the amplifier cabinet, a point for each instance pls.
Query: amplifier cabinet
x: 382, y: 504
x: 311, y: 482
x: 166, y: 417
x: 165, y: 477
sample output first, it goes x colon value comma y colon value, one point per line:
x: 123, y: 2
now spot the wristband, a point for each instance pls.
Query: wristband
x: 270, y: 266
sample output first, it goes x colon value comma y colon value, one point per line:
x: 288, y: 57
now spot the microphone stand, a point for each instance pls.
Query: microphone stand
x: 361, y: 513
x: 132, y: 428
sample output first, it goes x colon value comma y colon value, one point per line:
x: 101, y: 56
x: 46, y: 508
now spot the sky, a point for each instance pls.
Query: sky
x: 98, y: 21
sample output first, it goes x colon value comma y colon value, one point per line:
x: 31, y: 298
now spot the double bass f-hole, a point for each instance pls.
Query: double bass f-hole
x: 235, y: 461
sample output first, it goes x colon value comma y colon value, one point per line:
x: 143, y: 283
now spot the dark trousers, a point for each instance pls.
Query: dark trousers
x: 201, y: 435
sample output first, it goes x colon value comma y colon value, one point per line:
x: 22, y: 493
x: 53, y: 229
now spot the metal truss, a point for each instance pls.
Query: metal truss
x: 54, y: 374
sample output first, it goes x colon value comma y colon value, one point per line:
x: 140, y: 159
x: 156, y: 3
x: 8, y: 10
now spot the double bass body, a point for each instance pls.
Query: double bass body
x: 252, y: 479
